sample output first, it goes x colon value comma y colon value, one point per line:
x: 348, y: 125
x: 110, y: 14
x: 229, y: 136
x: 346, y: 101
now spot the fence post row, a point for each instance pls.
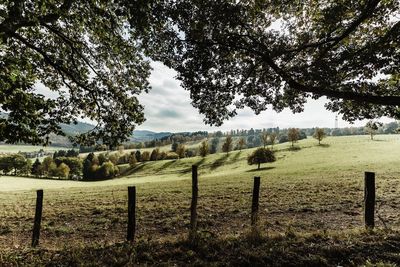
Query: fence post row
x: 38, y: 218
x: 369, y: 198
x: 255, y: 201
x: 193, y: 206
x: 131, y: 213
x: 369, y: 206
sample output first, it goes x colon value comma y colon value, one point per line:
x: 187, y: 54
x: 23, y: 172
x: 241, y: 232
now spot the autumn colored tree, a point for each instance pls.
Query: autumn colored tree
x: 264, y: 136
x: 180, y: 150
x: 227, y: 146
x: 319, y: 134
x: 132, y: 159
x: 272, y: 137
x: 203, y: 148
x: 241, y: 143
x: 293, y: 135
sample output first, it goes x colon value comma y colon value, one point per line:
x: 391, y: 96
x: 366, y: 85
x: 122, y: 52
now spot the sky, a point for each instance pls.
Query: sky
x: 168, y: 108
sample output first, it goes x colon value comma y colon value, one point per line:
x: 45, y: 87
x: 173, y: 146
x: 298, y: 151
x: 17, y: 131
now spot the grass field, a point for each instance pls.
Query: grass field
x: 27, y: 148
x: 311, y: 211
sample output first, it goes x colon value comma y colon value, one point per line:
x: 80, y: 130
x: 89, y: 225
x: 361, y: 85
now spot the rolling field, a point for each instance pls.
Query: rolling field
x: 311, y: 210
x: 27, y: 148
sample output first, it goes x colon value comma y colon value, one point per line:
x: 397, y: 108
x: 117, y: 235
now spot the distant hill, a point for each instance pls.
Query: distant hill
x: 144, y: 135
x: 83, y: 127
x: 74, y: 129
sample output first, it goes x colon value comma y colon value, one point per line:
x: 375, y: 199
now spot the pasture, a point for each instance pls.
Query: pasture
x: 310, y: 195
x: 4, y: 148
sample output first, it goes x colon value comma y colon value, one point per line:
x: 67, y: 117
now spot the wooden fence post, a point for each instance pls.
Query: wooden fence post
x: 38, y: 218
x: 255, y: 200
x: 369, y: 198
x: 193, y: 206
x: 131, y: 213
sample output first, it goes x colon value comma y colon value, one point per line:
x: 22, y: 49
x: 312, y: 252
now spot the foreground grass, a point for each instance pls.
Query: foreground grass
x: 314, y: 191
x: 319, y: 249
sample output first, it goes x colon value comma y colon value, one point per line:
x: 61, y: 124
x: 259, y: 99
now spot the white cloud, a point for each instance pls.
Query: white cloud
x: 168, y: 108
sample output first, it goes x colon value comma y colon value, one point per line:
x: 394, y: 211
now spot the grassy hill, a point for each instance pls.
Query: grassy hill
x: 311, y: 210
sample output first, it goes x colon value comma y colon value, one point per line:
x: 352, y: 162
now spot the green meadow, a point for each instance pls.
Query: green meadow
x: 4, y: 148
x: 311, y: 210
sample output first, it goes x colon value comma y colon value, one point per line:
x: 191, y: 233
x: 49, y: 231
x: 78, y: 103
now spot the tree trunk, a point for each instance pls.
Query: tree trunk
x: 259, y: 165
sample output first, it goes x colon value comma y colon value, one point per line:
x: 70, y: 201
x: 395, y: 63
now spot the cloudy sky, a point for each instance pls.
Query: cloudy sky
x: 168, y: 108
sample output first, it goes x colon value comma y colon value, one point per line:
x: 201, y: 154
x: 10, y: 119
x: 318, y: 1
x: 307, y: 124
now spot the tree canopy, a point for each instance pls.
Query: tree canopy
x: 81, y: 51
x: 261, y: 54
x: 93, y: 55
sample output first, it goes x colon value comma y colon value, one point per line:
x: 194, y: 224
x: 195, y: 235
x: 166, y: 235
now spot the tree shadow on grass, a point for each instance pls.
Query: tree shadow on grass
x: 130, y: 171
x: 324, y: 145
x: 261, y: 169
x: 198, y: 163
x: 189, y: 169
x: 219, y: 162
x: 237, y: 155
x: 166, y: 165
x: 294, y: 148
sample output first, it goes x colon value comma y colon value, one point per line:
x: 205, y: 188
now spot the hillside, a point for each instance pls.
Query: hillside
x: 311, y: 209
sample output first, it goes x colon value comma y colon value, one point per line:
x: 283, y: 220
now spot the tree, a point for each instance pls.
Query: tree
x: 264, y: 138
x: 72, y: 153
x: 272, y: 137
x: 113, y: 158
x: 74, y: 164
x: 52, y: 170
x: 138, y: 155
x: 94, y: 65
x: 261, y: 155
x: 107, y: 171
x: 132, y: 159
x: 227, y: 146
x: 319, y: 134
x: 145, y: 156
x: 20, y: 164
x: 293, y: 135
x: 37, y: 168
x: 241, y: 143
x: 203, y: 148
x: 174, y: 146
x: 372, y: 127
x: 214, y: 145
x: 155, y: 154
x: 391, y: 127
x: 229, y: 49
x: 102, y: 158
x: 47, y: 161
x: 90, y: 165
x: 180, y: 150
x: 61, y: 171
